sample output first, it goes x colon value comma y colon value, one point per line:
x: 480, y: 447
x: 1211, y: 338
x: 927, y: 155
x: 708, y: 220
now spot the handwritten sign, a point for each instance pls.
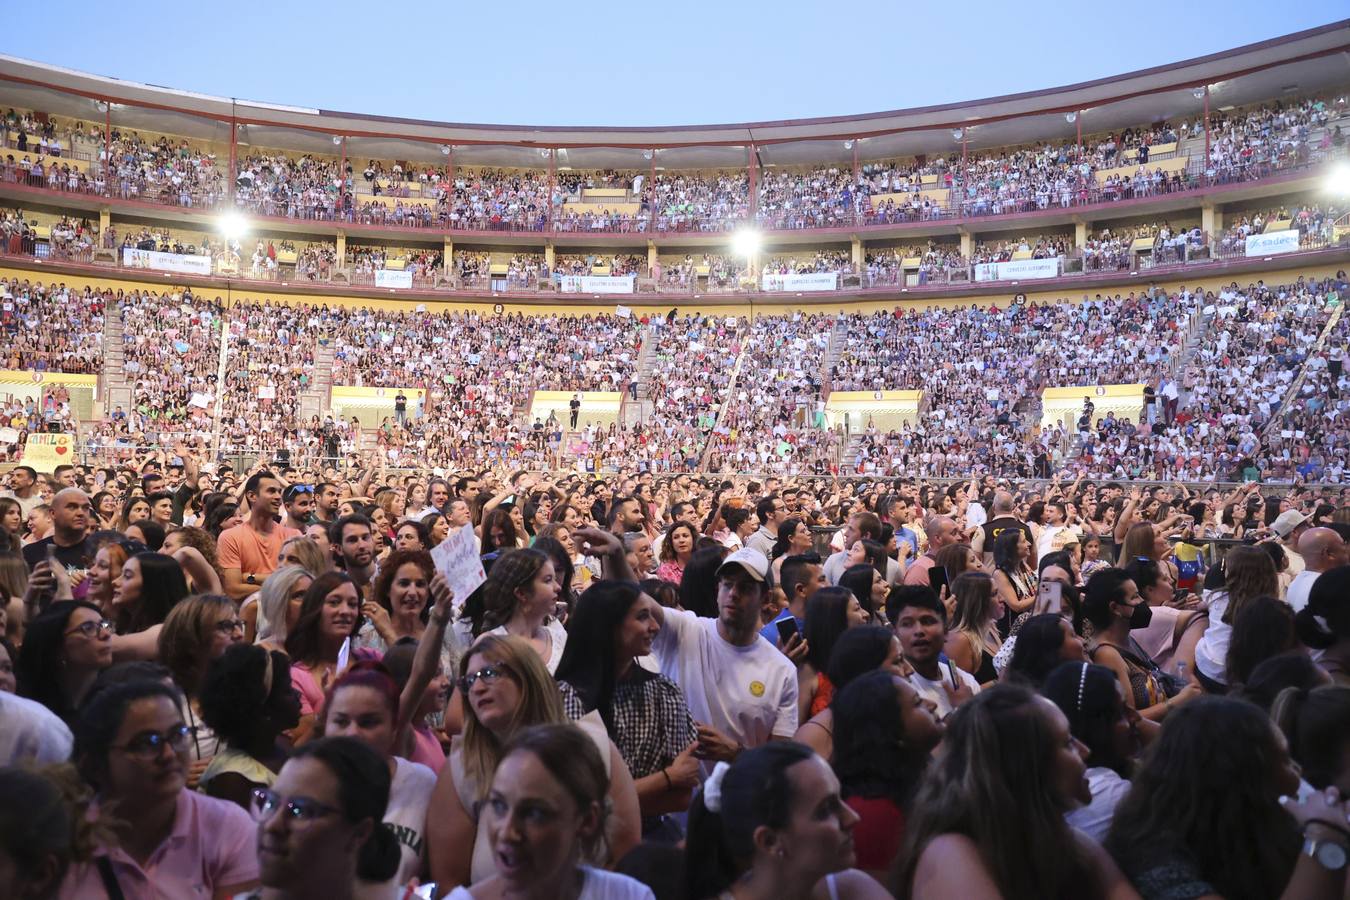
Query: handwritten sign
x: 457, y: 559
x: 44, y: 452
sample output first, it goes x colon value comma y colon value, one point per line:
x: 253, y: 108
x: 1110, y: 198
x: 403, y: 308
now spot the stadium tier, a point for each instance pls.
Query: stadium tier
x: 266, y: 282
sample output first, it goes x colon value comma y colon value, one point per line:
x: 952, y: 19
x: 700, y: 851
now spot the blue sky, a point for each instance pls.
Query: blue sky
x: 632, y: 63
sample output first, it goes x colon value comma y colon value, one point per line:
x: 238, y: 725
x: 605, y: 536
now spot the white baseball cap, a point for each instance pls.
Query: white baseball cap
x: 749, y: 559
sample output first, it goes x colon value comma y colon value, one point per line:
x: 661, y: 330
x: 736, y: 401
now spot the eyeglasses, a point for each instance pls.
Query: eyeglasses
x: 300, y: 811
x: 150, y: 744
x: 488, y: 674
x: 92, y: 629
x: 230, y: 626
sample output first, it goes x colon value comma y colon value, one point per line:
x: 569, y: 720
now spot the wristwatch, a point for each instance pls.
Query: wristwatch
x: 250, y: 578
x: 1328, y: 854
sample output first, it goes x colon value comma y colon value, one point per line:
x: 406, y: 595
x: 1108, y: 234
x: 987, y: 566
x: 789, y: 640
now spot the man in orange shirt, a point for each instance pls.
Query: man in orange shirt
x: 247, y: 553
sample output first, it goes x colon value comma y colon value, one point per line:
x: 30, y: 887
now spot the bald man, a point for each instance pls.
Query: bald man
x: 69, y: 540
x: 942, y: 532
x: 1321, y: 549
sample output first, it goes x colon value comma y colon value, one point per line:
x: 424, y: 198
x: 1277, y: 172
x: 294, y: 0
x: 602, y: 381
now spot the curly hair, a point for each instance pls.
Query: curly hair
x: 389, y: 569
x: 201, y: 541
x: 871, y: 757
x: 235, y: 694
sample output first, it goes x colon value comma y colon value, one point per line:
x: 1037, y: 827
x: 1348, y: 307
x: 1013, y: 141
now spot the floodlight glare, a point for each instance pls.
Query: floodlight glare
x: 1338, y: 179
x: 232, y: 225
x: 747, y: 242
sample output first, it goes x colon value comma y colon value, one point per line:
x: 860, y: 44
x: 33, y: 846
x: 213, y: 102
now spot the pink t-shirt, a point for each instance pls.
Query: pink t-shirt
x: 427, y: 749
x: 212, y: 846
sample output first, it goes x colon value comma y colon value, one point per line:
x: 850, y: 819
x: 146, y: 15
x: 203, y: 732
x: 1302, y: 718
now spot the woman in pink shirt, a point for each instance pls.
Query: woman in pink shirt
x: 131, y: 745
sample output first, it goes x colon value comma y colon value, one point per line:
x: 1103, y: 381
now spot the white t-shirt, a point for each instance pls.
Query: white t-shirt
x: 747, y: 693
x: 1108, y: 789
x: 949, y: 674
x: 598, y: 885
x: 1299, y: 588
x: 31, y: 733
x: 557, y: 634
x: 1211, y: 653
x: 409, y: 797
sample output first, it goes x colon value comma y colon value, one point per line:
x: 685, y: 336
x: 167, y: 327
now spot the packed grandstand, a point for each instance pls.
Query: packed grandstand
x: 1040, y: 406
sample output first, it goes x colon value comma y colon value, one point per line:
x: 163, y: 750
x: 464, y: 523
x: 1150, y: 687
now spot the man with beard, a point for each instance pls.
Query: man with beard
x: 247, y: 553
x: 353, y: 539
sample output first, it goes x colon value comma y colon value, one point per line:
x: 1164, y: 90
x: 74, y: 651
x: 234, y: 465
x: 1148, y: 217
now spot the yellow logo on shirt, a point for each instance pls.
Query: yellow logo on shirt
x: 757, y: 688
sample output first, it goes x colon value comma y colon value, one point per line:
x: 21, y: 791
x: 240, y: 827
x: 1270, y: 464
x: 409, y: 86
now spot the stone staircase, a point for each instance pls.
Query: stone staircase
x: 634, y: 412
x: 315, y: 399
x: 117, y: 387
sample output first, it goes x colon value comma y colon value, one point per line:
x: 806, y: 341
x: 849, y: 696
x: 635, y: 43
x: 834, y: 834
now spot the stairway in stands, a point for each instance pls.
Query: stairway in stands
x: 316, y: 398
x: 117, y: 388
x: 634, y: 412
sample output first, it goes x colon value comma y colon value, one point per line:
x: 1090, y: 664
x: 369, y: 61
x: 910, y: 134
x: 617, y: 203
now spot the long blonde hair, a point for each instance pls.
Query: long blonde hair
x: 540, y: 704
x: 974, y: 614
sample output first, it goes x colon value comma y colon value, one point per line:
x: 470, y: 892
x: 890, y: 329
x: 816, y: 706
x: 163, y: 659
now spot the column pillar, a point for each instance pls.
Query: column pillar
x: 552, y: 180
x: 1211, y: 220
x: 342, y: 250
x: 448, y: 256
x: 651, y: 256
x: 548, y: 256
x: 104, y: 220
x: 754, y: 184
x: 107, y: 145
x: 1205, y: 167
x: 1080, y: 230
x: 234, y: 156
x: 342, y: 179
x: 859, y: 259
x: 967, y: 243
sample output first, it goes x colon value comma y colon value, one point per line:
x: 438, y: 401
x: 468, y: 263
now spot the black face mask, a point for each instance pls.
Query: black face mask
x: 1141, y: 616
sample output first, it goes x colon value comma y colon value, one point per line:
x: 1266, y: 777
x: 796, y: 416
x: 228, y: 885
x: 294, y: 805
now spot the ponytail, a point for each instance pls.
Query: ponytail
x: 1311, y: 631
x: 710, y: 867
x: 379, y: 857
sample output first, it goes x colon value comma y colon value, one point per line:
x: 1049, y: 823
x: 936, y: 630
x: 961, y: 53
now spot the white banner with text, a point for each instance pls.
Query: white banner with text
x: 166, y: 262
x: 1273, y: 242
x: 1018, y: 268
x: 597, y: 284
x: 806, y: 281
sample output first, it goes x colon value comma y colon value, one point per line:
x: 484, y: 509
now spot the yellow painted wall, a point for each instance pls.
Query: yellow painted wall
x: 1063, y: 405
x: 889, y: 410
x: 600, y: 407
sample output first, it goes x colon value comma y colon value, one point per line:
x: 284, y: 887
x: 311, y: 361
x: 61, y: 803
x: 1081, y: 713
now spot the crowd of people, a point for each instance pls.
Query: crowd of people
x: 261, y: 682
x: 1243, y: 144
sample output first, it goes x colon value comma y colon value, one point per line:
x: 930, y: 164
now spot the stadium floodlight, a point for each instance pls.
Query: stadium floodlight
x: 545, y: 152
x: 1071, y: 117
x: 848, y: 145
x: 232, y: 225
x: 1198, y: 93
x: 337, y: 140
x: 958, y: 133
x: 648, y: 154
x: 445, y: 149
x: 747, y: 242
x: 1338, y: 179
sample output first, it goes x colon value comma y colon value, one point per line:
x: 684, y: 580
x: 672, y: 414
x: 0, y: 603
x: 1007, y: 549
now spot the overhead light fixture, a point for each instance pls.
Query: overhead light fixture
x: 746, y: 242
x: 1071, y: 117
x: 1338, y: 180
x: 544, y: 153
x: 232, y: 225
x: 445, y: 149
x: 648, y: 154
x: 958, y: 133
x: 848, y: 145
x: 1198, y: 93
x: 337, y: 139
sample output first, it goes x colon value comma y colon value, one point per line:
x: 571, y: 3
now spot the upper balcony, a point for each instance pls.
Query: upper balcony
x: 1244, y: 125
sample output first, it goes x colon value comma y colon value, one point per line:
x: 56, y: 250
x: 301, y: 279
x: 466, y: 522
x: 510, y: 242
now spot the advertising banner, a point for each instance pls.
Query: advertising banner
x: 387, y: 278
x: 808, y: 281
x: 598, y: 284
x: 166, y: 262
x: 1019, y: 268
x: 1273, y: 242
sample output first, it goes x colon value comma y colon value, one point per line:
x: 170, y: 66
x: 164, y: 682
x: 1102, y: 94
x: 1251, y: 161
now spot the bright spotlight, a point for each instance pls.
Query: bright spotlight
x: 958, y: 133
x: 1071, y: 117
x: 746, y: 242
x: 232, y: 225
x: 1338, y: 179
x: 1198, y: 93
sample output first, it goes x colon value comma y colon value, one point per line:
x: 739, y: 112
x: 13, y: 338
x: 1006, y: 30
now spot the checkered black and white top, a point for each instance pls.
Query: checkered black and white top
x: 651, y: 720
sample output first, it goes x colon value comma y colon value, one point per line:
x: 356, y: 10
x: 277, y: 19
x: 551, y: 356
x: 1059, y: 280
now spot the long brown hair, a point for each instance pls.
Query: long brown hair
x: 1248, y: 573
x: 993, y: 784
x: 512, y: 570
x: 540, y: 704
